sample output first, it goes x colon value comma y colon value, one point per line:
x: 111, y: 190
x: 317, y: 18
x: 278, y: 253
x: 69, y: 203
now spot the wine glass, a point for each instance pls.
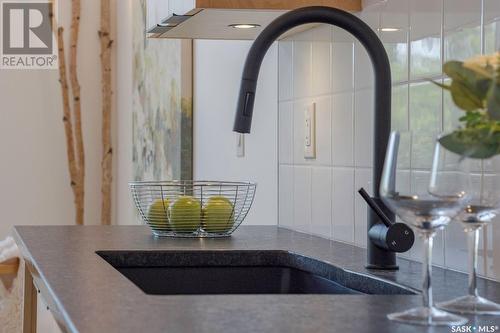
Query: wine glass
x: 484, y: 206
x: 427, y: 206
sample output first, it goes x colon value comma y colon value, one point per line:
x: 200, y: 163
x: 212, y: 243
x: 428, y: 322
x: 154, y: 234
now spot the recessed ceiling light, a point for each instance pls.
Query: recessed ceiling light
x: 244, y: 26
x: 389, y: 29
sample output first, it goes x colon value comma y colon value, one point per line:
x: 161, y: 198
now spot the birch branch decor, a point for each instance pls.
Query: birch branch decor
x: 72, y: 112
x: 73, y: 127
x: 106, y: 90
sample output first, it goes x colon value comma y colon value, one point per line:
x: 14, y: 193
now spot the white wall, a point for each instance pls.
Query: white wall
x: 124, y: 210
x: 329, y: 67
x: 217, y: 73
x: 33, y: 172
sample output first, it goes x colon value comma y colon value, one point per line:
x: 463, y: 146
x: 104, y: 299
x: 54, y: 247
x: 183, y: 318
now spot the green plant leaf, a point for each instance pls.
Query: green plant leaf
x: 458, y: 144
x: 494, y: 101
x: 463, y: 97
x: 457, y: 70
x: 475, y: 82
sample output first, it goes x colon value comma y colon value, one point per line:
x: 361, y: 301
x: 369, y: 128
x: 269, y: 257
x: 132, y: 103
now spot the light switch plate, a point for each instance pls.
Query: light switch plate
x: 310, y: 132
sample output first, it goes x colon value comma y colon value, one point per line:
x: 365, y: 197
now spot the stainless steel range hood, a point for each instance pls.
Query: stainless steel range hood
x: 217, y: 19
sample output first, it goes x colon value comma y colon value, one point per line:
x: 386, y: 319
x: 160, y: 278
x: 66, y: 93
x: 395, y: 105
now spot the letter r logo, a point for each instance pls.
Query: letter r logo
x: 26, y: 28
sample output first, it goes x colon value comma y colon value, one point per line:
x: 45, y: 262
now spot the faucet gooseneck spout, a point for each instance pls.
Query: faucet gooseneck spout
x: 377, y: 257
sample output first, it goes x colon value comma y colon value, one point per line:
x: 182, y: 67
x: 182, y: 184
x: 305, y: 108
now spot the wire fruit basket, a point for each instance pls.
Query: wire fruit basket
x: 193, y: 208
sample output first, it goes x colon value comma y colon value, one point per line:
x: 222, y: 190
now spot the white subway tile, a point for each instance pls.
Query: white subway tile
x: 321, y: 205
x: 491, y: 26
x: 460, y: 15
x: 321, y: 67
x: 285, y: 132
x: 302, y: 69
x: 343, y: 129
x: 342, y: 66
x: 363, y: 128
x: 491, y: 10
x: 425, y: 121
x: 302, y: 198
x: 395, y: 14
x: 399, y: 116
x: 462, y: 29
x: 425, y: 48
x: 363, y: 69
x: 285, y: 70
x: 371, y: 16
x: 323, y: 33
x: 343, y: 204
x: 286, y: 208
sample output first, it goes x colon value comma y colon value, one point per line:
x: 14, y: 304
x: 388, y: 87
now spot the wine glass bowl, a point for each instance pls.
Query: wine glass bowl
x: 424, y: 215
x: 477, y: 216
x: 427, y: 198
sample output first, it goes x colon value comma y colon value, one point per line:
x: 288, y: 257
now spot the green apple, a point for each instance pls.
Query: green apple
x: 157, y: 213
x: 185, y: 214
x: 218, y: 214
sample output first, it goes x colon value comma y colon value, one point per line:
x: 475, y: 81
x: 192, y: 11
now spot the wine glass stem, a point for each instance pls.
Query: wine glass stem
x: 473, y: 249
x: 427, y: 270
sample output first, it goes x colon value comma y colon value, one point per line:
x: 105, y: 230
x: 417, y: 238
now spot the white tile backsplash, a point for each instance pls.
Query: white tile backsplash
x: 321, y: 204
x: 302, y: 69
x: 343, y: 129
x: 302, y: 198
x: 328, y: 67
x: 285, y: 196
x: 363, y: 127
x: 342, y: 66
x: 285, y: 123
x: 343, y: 204
x: 321, y: 62
x: 363, y: 70
x: 425, y: 38
x: 285, y: 70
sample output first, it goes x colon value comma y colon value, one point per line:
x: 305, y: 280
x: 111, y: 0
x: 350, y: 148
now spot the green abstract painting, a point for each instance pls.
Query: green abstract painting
x: 162, y: 104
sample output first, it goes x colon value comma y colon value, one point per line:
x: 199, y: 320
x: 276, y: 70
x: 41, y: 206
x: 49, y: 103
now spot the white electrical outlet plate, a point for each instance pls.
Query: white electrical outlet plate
x: 310, y: 132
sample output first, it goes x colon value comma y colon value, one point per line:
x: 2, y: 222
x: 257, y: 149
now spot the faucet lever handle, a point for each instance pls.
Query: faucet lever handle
x: 376, y: 208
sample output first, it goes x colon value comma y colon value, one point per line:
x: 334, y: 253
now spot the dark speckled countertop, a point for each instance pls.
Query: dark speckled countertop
x: 86, y: 294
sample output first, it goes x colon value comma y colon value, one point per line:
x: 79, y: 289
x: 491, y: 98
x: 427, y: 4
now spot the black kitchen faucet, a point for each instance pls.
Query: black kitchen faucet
x: 385, y: 237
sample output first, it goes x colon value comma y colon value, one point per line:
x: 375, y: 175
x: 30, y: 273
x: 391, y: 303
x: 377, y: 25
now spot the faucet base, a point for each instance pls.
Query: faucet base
x: 382, y: 268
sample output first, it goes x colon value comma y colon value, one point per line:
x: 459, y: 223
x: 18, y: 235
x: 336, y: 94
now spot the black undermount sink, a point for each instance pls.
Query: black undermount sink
x: 241, y: 272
